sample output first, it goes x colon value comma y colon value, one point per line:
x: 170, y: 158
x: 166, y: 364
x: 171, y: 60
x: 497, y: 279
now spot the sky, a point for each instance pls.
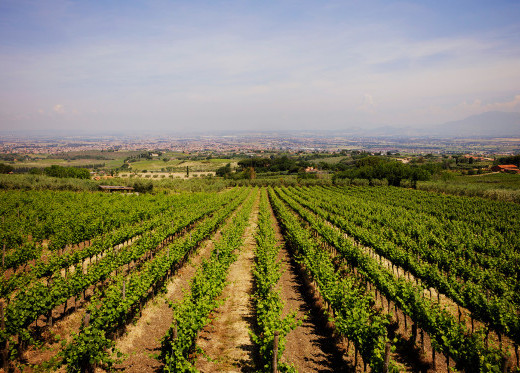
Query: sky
x: 194, y: 65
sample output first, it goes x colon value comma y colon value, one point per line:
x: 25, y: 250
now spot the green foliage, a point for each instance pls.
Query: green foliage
x: 373, y: 167
x: 143, y: 186
x: 191, y: 314
x: 5, y: 168
x: 34, y: 298
x: 307, y: 176
x: 73, y: 172
x: 448, y: 243
x: 266, y: 298
x: 450, y: 273
x: 496, y: 186
x: 514, y: 159
x: 353, y: 315
x: 42, y: 182
x: 273, y: 164
x: 89, y: 347
x: 224, y: 171
x: 110, y: 312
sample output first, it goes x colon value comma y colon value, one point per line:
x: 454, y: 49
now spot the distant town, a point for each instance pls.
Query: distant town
x: 241, y: 143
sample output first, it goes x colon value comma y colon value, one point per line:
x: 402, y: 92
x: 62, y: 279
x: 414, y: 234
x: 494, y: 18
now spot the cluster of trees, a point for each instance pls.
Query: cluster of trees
x: 145, y: 155
x: 143, y: 187
x: 245, y: 173
x: 273, y: 164
x: 393, y: 171
x: 514, y: 159
x: 361, y: 167
x: 224, y: 171
x: 73, y: 157
x: 248, y: 168
x: 5, y: 168
x: 73, y: 172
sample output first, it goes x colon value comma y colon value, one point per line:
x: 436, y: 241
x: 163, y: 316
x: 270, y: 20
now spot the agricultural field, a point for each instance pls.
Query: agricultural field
x: 125, y: 163
x: 300, y: 278
x: 499, y: 186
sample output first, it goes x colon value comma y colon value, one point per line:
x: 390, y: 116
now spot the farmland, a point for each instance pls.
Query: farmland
x: 306, y: 278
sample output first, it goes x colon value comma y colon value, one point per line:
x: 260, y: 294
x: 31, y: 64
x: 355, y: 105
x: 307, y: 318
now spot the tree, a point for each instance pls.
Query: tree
x: 249, y: 173
x: 224, y: 171
x: 60, y: 171
x: 5, y: 168
x: 143, y: 187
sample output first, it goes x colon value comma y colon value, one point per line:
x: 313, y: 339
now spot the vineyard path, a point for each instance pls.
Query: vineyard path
x: 404, y: 329
x: 142, y: 341
x: 67, y: 318
x: 226, y: 342
x: 404, y: 355
x: 309, y: 347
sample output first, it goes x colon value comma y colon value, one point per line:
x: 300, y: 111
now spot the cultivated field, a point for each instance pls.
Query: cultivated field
x: 308, y: 279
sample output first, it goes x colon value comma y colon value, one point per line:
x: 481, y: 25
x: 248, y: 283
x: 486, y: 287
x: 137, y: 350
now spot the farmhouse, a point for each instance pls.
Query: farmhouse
x: 510, y: 168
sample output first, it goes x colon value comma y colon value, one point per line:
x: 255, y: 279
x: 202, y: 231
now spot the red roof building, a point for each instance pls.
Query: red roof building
x: 511, y: 168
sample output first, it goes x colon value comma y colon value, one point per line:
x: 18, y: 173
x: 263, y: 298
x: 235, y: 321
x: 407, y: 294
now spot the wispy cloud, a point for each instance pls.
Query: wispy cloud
x: 223, y: 64
x: 59, y: 109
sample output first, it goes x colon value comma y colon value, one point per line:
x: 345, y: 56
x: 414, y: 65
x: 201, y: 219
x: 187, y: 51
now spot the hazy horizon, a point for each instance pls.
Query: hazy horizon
x: 192, y: 66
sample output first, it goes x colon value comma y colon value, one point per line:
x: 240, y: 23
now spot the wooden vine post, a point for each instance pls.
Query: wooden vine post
x: 505, y: 364
x: 49, y: 313
x: 386, y: 362
x: 275, y: 352
x: 86, y: 320
x: 5, y: 347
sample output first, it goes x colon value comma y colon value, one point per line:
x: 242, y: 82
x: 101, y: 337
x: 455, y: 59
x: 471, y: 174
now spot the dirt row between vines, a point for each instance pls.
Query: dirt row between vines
x: 404, y: 324
x: 68, y: 318
x: 141, y: 342
x: 225, y: 341
x: 409, y: 359
x: 310, y: 347
x: 459, y: 313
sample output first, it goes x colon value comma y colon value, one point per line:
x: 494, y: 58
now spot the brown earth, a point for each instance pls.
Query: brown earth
x: 67, y: 319
x: 226, y: 342
x: 424, y: 349
x: 142, y: 341
x: 310, y: 347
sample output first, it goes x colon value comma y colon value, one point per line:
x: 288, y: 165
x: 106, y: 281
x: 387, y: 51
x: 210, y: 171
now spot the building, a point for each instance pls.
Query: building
x: 509, y: 168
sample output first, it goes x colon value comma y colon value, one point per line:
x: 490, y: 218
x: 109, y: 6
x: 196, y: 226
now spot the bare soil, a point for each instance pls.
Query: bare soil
x: 65, y: 322
x: 423, y: 348
x: 141, y: 342
x: 226, y: 341
x: 310, y: 347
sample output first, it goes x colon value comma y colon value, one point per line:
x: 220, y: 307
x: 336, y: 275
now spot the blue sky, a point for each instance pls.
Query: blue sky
x: 199, y: 65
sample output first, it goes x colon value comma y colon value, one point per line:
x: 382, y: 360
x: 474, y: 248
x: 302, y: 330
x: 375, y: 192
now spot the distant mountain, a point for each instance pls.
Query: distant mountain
x: 489, y: 124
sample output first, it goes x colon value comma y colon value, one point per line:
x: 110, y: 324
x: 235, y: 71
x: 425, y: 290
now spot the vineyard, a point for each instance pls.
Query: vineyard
x: 270, y: 279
